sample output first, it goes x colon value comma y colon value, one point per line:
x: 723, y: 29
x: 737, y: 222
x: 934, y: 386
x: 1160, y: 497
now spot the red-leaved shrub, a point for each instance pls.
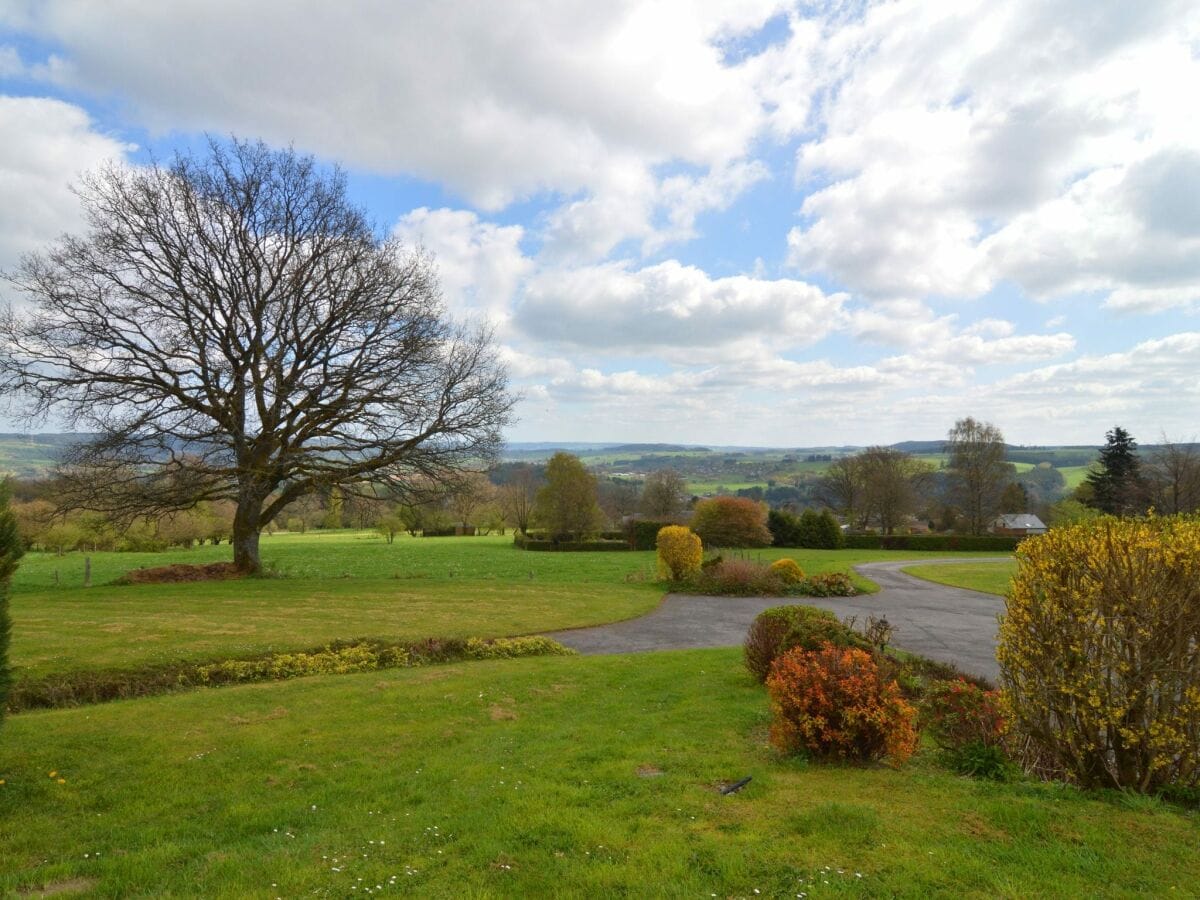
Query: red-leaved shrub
x: 958, y: 713
x: 832, y: 702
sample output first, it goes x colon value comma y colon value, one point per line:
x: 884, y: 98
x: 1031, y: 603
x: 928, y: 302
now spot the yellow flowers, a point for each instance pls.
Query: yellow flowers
x: 679, y: 552
x: 1100, y: 650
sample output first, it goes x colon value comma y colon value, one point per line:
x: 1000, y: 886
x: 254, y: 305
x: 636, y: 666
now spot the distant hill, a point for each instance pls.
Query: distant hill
x: 654, y: 448
x: 34, y: 455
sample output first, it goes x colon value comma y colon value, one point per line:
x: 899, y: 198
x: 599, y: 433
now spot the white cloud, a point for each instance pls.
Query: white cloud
x: 47, y: 145
x: 674, y: 310
x: 495, y: 100
x: 480, y: 264
x: 961, y: 143
x: 931, y: 339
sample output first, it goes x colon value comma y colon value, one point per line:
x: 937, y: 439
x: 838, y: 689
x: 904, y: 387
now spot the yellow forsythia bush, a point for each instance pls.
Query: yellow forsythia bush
x: 788, y: 570
x: 679, y: 552
x: 1100, y: 651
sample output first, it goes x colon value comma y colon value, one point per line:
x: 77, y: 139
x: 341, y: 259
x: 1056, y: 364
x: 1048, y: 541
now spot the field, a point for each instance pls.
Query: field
x: 569, y: 776
x: 1074, y: 475
x: 991, y: 578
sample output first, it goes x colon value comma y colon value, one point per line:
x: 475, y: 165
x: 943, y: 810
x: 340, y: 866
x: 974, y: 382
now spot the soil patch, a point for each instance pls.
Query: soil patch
x: 181, y: 572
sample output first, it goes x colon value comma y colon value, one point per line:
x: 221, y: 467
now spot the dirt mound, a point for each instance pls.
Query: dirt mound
x: 181, y: 572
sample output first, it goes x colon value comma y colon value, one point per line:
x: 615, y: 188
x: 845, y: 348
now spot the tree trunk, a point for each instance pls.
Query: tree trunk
x: 246, y: 529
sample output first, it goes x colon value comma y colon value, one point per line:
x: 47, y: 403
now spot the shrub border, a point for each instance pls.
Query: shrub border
x: 81, y: 687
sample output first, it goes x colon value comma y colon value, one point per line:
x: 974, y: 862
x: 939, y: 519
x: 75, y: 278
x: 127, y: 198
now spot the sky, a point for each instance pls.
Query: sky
x: 734, y: 223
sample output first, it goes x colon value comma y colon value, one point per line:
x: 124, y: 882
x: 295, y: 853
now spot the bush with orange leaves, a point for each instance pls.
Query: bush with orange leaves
x: 833, y: 702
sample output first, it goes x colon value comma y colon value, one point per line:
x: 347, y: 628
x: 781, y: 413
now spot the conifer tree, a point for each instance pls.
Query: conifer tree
x: 1116, y: 482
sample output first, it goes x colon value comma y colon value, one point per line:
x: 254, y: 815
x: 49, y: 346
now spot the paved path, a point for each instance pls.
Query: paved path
x: 943, y: 623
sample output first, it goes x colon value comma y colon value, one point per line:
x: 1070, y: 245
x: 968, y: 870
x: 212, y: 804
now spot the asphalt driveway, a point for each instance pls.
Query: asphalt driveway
x: 944, y: 623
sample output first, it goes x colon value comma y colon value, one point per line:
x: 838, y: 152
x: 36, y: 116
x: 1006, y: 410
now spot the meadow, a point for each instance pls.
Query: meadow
x: 564, y: 776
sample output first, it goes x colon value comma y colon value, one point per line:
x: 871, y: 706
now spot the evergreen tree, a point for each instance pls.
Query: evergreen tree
x: 1116, y: 482
x: 829, y: 531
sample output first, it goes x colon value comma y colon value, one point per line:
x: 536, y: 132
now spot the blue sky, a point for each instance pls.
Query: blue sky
x: 754, y: 223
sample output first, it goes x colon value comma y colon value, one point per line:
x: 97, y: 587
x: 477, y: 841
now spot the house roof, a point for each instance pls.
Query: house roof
x: 1019, y: 520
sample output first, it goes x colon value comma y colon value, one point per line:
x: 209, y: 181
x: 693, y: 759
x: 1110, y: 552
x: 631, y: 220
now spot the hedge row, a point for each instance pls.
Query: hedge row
x: 87, y: 686
x: 938, y: 542
x: 643, y: 535
x: 566, y: 546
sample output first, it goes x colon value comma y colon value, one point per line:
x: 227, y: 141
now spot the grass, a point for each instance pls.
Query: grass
x: 989, y: 577
x: 566, y: 777
x: 1074, y: 475
x: 337, y: 585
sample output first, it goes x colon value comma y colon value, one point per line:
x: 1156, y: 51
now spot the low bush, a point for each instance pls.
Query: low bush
x: 934, y: 542
x: 749, y: 578
x: 788, y: 570
x: 917, y: 675
x: 782, y: 628
x: 680, y: 552
x: 1100, y: 651
x: 339, y: 658
x: 981, y: 761
x: 833, y: 703
x: 825, y: 584
x: 514, y: 648
x: 958, y: 713
x: 736, y: 578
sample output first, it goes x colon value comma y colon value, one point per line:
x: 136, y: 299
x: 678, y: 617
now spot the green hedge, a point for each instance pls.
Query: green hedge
x: 570, y: 546
x: 10, y: 551
x: 937, y: 542
x: 643, y: 535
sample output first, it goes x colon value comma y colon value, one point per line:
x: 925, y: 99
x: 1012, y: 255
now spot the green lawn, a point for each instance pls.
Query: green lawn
x: 989, y: 577
x: 335, y: 585
x: 568, y: 777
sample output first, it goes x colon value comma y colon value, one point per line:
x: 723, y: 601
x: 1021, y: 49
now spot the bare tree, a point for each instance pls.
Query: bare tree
x: 468, y: 493
x: 664, y: 495
x: 841, y: 489
x: 891, y: 482
x: 234, y: 329
x: 518, y: 494
x: 1172, y: 473
x: 977, y: 469
x: 618, y: 498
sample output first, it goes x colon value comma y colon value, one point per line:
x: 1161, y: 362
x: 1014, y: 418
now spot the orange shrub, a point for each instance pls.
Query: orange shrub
x: 731, y: 522
x: 679, y: 552
x: 832, y: 702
